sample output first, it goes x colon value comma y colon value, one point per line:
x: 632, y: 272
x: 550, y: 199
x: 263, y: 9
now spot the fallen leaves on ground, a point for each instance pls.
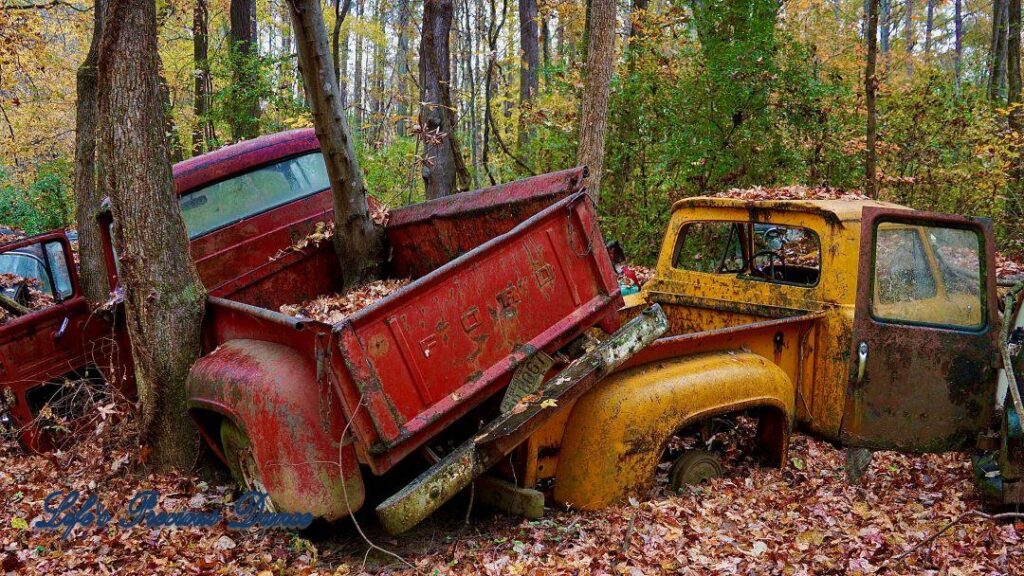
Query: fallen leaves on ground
x: 333, y: 308
x: 1007, y: 267
x: 803, y: 519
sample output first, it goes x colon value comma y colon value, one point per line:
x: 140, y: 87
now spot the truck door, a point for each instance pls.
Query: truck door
x: 47, y: 334
x: 922, y: 370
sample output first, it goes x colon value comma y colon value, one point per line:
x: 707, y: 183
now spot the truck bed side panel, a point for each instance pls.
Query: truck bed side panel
x: 428, y: 353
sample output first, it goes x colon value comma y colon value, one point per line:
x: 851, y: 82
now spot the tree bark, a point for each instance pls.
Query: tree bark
x: 340, y: 13
x: 92, y: 270
x: 286, y: 77
x: 529, y: 64
x: 958, y: 41
x: 997, y: 60
x: 596, y: 92
x: 358, y: 241
x: 202, y: 130
x: 244, y: 116
x: 884, y: 24
x: 929, y: 25
x: 870, y: 89
x: 164, y: 297
x: 402, y: 67
x: 357, y: 80
x: 443, y: 168
x: 908, y: 35
x: 1014, y: 204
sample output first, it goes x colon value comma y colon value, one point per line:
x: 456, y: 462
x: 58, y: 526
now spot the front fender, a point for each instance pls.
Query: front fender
x: 616, y: 434
x: 293, y: 423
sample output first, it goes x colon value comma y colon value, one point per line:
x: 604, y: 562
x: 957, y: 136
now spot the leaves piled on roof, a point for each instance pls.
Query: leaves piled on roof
x: 796, y: 192
x: 6, y: 237
x: 333, y: 308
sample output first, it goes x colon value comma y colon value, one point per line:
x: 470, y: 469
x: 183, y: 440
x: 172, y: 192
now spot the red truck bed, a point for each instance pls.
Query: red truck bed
x: 497, y: 275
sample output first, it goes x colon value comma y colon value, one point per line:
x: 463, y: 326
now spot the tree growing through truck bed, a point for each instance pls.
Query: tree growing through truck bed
x: 358, y: 240
x: 164, y: 297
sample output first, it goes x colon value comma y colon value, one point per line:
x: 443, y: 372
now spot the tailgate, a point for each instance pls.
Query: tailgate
x: 422, y: 357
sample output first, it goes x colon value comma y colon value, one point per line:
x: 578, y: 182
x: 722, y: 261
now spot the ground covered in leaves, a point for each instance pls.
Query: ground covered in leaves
x: 803, y: 519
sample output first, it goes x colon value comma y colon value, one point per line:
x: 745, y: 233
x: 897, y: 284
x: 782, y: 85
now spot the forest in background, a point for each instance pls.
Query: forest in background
x: 706, y: 96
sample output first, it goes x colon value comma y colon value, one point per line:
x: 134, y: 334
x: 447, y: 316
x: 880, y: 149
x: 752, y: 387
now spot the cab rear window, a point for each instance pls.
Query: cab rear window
x: 228, y: 201
x: 752, y: 251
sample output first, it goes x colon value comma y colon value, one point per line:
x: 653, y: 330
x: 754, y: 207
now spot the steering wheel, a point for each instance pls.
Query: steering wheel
x: 768, y: 269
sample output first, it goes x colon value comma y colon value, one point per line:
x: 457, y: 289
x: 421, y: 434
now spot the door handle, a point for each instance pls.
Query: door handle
x: 63, y: 328
x: 862, y: 360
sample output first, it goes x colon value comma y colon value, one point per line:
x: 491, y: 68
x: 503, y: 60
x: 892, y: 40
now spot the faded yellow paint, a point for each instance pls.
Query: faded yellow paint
x: 608, y: 444
x: 616, y: 433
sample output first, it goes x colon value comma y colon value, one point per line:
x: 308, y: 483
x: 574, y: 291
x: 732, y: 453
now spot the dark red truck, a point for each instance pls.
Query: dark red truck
x: 505, y: 284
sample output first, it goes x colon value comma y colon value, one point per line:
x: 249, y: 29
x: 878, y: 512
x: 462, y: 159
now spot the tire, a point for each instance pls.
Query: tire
x: 694, y: 467
x: 238, y: 453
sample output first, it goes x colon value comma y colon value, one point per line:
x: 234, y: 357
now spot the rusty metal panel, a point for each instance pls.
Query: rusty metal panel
x: 916, y: 384
x: 457, y: 224
x: 424, y: 356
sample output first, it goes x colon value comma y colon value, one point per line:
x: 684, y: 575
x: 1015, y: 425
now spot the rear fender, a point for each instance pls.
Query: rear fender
x: 616, y: 434
x: 294, y: 424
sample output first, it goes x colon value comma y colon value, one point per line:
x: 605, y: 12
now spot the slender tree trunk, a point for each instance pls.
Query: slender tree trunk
x: 174, y: 147
x: 164, y: 297
x: 529, y: 64
x: 545, y: 35
x: 358, y: 241
x: 908, y: 35
x: 870, y: 88
x: 997, y: 58
x: 596, y: 92
x: 884, y: 24
x: 958, y: 41
x: 92, y: 269
x: 340, y: 13
x: 1014, y: 204
x: 357, y: 80
x: 929, y: 25
x: 402, y: 67
x: 285, y: 70
x: 245, y: 107
x: 443, y: 169
x: 202, y: 132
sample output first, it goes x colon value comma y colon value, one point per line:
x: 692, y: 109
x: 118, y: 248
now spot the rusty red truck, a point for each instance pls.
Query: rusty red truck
x: 506, y: 286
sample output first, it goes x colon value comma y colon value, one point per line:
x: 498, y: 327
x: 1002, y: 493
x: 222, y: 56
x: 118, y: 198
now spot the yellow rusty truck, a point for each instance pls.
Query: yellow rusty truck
x: 866, y: 323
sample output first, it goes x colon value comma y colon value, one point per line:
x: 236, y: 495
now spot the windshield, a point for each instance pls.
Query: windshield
x: 229, y: 201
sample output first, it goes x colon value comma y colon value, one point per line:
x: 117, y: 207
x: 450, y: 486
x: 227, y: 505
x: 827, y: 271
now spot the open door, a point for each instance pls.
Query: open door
x: 923, y: 357
x: 54, y: 351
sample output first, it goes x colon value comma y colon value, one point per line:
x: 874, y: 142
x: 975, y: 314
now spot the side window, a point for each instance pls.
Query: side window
x: 752, y: 251
x: 59, y: 266
x: 927, y: 275
x: 712, y: 247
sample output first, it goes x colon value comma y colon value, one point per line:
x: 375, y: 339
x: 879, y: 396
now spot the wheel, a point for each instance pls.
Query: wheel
x: 238, y: 453
x: 694, y: 467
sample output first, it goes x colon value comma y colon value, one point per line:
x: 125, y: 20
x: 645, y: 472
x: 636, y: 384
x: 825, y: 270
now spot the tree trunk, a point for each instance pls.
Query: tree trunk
x: 870, y: 88
x: 402, y: 67
x: 997, y: 58
x: 908, y: 35
x: 202, y: 130
x: 357, y: 80
x: 443, y: 169
x: 545, y: 35
x: 358, y: 241
x: 164, y: 297
x: 958, y: 41
x: 88, y: 196
x: 286, y: 78
x: 1014, y: 204
x: 245, y: 107
x: 529, y: 64
x: 175, y: 150
x: 340, y: 13
x: 929, y: 25
x: 596, y: 92
x: 884, y: 25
